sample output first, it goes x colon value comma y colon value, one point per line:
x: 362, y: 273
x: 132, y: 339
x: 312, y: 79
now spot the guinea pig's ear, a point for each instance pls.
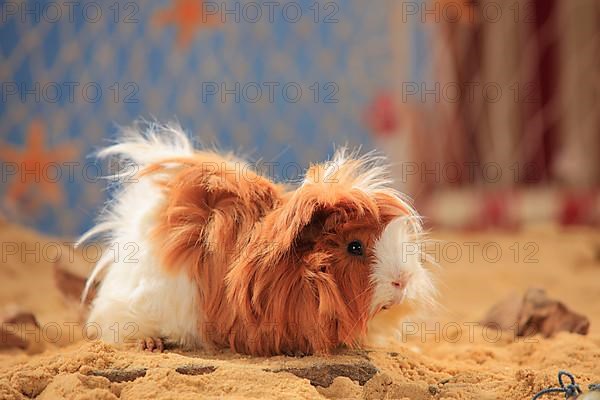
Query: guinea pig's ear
x: 391, y: 206
x: 298, y: 223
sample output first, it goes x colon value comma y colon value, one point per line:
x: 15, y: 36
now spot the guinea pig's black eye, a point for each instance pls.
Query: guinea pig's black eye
x: 355, y: 248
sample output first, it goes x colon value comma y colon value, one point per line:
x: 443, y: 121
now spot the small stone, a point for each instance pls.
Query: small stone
x: 70, y: 285
x: 13, y: 328
x: 195, y: 369
x: 324, y: 374
x: 120, y: 375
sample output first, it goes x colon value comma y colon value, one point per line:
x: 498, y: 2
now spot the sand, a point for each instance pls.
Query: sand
x: 448, y: 355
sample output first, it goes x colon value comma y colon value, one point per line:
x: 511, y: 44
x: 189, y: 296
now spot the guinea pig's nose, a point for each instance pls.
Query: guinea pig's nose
x: 399, y: 284
x: 401, y: 281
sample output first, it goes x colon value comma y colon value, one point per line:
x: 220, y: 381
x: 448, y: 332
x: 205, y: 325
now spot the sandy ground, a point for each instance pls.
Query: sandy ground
x: 449, y: 357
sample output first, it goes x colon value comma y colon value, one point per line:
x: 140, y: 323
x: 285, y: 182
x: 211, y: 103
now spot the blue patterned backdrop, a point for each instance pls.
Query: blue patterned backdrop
x: 72, y: 72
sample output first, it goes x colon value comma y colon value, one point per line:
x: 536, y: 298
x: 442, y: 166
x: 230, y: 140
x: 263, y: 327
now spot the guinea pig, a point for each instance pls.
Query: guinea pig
x: 205, y: 251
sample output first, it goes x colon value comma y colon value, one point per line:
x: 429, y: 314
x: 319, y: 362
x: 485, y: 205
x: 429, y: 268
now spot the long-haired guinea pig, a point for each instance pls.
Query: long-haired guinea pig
x: 208, y: 253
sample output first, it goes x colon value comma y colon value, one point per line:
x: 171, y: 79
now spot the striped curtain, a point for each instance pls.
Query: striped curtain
x: 504, y: 101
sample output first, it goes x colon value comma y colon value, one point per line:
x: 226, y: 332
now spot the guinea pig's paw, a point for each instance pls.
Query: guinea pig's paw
x: 296, y: 353
x: 152, y: 344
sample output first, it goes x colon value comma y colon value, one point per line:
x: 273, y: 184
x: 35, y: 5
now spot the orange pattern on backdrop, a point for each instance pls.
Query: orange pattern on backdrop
x: 31, y: 171
x: 189, y: 16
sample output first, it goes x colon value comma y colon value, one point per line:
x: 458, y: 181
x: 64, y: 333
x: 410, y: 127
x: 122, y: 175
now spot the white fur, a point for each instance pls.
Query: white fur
x: 398, y: 253
x: 137, y: 298
x: 369, y: 172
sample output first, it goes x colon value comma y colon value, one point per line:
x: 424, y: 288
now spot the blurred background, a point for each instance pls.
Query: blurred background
x: 488, y: 109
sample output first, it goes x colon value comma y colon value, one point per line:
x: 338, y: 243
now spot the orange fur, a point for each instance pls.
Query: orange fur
x: 271, y: 266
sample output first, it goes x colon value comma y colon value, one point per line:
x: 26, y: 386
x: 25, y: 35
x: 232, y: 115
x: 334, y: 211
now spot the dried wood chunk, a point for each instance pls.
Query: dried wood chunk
x: 535, y: 313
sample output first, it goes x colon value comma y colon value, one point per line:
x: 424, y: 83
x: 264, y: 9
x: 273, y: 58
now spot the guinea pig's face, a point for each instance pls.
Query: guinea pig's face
x: 374, y: 258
